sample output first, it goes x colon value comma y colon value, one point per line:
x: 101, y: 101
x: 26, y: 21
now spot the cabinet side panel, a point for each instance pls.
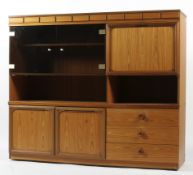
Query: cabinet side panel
x: 182, y: 88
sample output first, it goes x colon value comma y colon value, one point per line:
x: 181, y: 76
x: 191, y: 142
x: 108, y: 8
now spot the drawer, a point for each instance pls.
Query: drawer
x: 132, y: 16
x: 15, y: 20
x: 142, y: 152
x: 80, y: 18
x: 64, y: 18
x: 47, y: 19
x: 142, y: 117
x: 151, y: 15
x: 148, y: 135
x: 170, y: 15
x: 98, y: 17
x: 31, y: 19
x: 116, y: 16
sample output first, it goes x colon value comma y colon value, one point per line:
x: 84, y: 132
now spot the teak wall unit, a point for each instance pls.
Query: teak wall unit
x: 99, y: 89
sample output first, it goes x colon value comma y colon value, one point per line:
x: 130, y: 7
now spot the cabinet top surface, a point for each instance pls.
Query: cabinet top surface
x: 92, y: 18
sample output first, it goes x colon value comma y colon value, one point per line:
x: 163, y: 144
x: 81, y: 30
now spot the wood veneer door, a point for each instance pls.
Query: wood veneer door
x: 80, y: 133
x: 141, y: 48
x: 32, y: 130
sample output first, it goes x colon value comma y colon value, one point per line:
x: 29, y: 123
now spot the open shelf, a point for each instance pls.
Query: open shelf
x: 144, y: 89
x: 93, y: 104
x: 59, y: 103
x: 144, y: 73
x: 59, y: 88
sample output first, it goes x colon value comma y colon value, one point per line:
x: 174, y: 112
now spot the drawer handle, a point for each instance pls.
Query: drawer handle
x: 141, y: 151
x: 142, y: 135
x: 143, y: 117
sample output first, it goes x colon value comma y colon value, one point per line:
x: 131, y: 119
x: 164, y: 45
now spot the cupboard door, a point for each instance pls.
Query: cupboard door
x: 32, y: 130
x: 80, y: 133
x: 142, y: 48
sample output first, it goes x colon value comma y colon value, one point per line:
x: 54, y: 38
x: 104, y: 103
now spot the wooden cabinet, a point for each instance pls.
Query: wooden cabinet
x: 99, y: 88
x: 80, y: 132
x: 32, y: 130
x: 148, y: 48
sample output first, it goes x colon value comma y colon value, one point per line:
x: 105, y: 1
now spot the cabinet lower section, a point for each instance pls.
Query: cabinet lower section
x: 146, y: 138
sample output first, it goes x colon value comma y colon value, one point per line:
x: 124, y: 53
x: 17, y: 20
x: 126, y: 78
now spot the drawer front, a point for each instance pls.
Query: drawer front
x: 142, y: 117
x: 15, y: 20
x: 80, y: 18
x: 64, y: 18
x: 47, y: 19
x: 148, y: 135
x: 142, y: 152
x: 31, y: 19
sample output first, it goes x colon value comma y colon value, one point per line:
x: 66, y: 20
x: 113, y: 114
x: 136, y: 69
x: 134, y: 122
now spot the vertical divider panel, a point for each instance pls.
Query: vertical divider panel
x: 108, y: 41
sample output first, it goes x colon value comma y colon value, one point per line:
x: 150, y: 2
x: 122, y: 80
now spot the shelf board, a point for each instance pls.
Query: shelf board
x: 64, y: 44
x: 94, y: 104
x: 58, y: 103
x: 123, y: 73
x: 145, y: 105
x: 56, y: 74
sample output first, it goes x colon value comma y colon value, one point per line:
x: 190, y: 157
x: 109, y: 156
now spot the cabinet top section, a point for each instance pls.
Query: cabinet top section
x: 92, y: 18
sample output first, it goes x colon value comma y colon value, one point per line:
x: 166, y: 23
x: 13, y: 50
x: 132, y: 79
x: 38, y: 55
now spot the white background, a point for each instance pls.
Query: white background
x: 24, y: 7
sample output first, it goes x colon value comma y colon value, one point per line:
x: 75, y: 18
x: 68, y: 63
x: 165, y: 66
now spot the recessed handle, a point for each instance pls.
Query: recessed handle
x: 142, y: 117
x: 142, y: 134
x: 141, y: 151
